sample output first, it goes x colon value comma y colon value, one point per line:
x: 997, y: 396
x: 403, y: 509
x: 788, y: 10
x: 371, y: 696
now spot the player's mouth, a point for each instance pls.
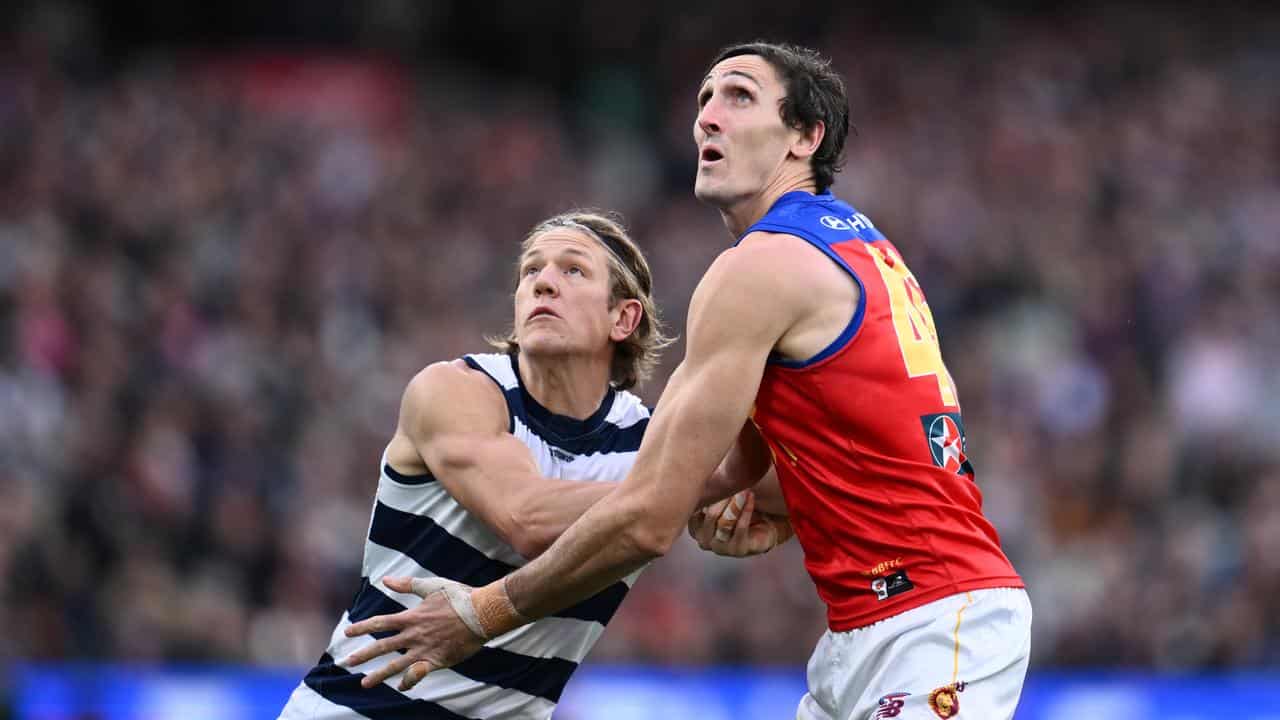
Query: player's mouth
x: 542, y: 311
x: 710, y: 154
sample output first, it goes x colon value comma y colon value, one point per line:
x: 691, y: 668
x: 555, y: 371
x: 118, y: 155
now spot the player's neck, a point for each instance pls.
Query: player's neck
x: 573, y: 386
x: 748, y: 211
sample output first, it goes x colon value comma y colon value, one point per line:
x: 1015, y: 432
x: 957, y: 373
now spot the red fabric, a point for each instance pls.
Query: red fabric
x: 850, y: 435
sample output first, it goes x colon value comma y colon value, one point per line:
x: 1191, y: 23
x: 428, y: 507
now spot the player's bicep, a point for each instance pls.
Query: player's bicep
x: 730, y: 334
x: 459, y: 427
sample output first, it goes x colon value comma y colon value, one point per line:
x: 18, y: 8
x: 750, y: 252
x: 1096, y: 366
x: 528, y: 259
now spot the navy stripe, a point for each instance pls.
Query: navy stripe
x: 542, y: 677
x: 380, y: 703
x: 407, y: 479
x: 432, y: 547
x: 608, y: 438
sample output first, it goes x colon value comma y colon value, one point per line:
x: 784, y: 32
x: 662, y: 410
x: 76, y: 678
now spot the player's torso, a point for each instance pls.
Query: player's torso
x: 417, y: 529
x: 868, y: 439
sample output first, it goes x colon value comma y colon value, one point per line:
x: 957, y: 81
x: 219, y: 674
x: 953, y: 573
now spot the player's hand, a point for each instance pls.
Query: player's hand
x: 432, y: 634
x: 732, y: 528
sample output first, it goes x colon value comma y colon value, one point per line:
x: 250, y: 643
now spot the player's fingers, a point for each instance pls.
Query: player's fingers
x: 414, y: 674
x: 729, y: 517
x: 740, y: 542
x: 707, y: 530
x: 423, y: 587
x: 763, y: 537
x: 379, y: 623
x: 695, y: 523
x: 373, y: 650
x: 386, y: 672
x: 399, y: 584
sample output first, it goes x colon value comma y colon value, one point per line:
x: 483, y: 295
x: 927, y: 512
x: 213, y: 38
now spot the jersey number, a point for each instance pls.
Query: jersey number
x: 913, y: 322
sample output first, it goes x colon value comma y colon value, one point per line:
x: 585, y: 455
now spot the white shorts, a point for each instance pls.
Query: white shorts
x: 964, y: 656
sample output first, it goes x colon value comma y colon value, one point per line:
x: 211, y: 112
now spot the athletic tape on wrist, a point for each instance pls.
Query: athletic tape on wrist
x: 494, y: 611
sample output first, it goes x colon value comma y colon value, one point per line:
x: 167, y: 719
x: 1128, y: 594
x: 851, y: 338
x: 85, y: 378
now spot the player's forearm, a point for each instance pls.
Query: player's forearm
x: 599, y: 549
x: 742, y: 467
x: 692, y: 430
x: 547, y: 509
x: 769, y: 494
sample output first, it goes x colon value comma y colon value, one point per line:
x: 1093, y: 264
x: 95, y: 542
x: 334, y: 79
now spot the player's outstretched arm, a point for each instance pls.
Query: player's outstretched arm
x: 739, y: 311
x: 457, y: 421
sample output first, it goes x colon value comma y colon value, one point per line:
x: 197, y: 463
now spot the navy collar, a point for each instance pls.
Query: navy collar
x: 561, y: 425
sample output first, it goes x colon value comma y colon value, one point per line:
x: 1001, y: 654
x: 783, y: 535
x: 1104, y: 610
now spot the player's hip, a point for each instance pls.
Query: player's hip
x: 970, y: 649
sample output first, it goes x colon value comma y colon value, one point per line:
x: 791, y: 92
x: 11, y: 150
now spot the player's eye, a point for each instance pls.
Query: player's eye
x: 575, y: 269
x: 741, y: 96
x: 529, y: 270
x: 704, y: 97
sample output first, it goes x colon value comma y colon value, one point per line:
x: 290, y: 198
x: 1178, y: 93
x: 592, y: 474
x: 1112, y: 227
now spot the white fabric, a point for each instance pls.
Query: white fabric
x: 978, y: 643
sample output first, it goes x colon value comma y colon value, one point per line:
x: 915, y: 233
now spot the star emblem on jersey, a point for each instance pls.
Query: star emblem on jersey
x: 945, y: 433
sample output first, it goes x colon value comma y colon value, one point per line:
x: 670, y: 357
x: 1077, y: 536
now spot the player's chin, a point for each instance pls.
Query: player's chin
x: 710, y: 192
x: 541, y: 342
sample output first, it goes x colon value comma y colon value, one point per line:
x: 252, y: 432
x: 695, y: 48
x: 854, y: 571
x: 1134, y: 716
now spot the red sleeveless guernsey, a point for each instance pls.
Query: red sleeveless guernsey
x: 868, y: 440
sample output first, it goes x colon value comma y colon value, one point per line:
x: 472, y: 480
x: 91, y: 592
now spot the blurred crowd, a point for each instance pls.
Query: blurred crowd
x: 218, y: 271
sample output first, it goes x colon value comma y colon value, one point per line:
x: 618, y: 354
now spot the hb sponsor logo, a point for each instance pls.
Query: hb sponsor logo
x: 945, y: 435
x: 856, y: 222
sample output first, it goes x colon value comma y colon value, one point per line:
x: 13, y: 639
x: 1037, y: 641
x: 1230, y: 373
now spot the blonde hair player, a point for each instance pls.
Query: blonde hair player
x: 493, y: 456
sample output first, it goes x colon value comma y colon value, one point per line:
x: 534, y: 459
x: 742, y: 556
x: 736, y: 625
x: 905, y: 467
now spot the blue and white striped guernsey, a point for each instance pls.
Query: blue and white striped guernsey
x: 417, y: 529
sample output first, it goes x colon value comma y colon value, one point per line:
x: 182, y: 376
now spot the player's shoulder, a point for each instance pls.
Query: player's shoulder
x: 768, y: 259
x: 628, y: 409
x: 453, y: 384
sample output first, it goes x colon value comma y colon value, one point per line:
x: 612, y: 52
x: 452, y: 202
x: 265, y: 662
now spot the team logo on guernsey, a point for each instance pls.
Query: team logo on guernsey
x: 945, y: 433
x: 890, y: 706
x: 945, y: 701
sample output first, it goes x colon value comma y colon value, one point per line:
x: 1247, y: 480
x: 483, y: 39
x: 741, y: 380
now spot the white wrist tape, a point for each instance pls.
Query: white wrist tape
x: 459, y: 597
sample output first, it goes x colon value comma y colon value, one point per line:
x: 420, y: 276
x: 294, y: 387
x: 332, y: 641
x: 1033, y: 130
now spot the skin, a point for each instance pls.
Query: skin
x: 453, y: 420
x: 770, y: 293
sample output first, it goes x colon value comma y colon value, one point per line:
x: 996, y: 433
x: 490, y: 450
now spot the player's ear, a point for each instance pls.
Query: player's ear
x: 806, y: 142
x: 626, y: 318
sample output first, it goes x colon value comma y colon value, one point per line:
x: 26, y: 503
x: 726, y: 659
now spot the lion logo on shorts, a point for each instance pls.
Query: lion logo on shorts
x: 945, y: 701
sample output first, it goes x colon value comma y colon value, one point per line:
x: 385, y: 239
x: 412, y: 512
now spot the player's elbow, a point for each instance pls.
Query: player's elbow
x: 647, y: 534
x: 649, y: 543
x: 530, y: 542
x: 526, y: 531
x: 529, y: 547
x: 516, y: 532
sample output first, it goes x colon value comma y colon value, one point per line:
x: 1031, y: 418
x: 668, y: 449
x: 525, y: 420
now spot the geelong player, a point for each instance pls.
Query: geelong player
x: 812, y: 326
x: 487, y: 467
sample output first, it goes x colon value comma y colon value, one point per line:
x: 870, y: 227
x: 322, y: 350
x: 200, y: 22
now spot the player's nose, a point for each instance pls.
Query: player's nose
x: 543, y: 285
x: 708, y: 121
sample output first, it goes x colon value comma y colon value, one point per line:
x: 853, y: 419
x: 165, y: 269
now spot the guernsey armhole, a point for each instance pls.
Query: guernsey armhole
x: 846, y: 336
x: 506, y: 394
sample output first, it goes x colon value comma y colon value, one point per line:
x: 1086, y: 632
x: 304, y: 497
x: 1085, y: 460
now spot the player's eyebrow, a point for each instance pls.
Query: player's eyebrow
x: 742, y: 73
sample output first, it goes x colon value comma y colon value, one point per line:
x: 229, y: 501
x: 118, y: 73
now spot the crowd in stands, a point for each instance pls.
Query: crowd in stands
x: 217, y: 273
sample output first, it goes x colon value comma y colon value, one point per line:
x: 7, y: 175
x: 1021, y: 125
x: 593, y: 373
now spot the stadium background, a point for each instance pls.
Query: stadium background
x: 229, y: 234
